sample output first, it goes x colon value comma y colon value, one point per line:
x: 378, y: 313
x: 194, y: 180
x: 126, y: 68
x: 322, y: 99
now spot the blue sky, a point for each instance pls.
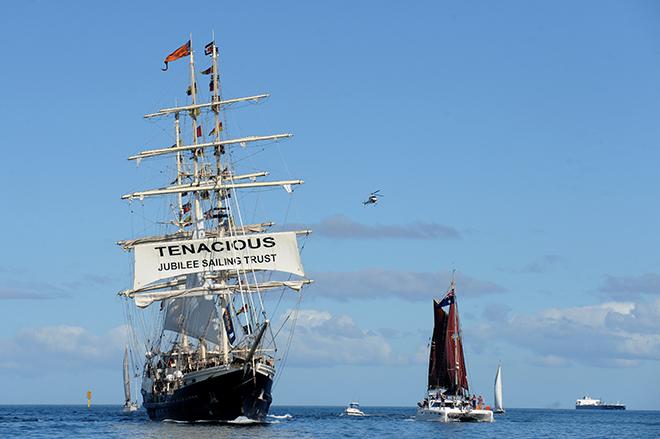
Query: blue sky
x: 520, y: 136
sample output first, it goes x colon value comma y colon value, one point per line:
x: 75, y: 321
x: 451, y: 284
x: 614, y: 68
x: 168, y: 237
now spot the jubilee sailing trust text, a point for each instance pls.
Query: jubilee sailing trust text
x: 216, y: 247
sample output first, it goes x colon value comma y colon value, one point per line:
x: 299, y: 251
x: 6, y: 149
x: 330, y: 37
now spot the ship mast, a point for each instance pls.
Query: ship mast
x: 455, y: 336
x: 179, y: 173
x: 197, y: 216
x: 217, y: 152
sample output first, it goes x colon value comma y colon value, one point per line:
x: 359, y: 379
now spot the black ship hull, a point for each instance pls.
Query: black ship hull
x: 220, y: 397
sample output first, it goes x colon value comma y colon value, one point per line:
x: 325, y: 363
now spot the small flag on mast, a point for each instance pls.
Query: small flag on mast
x: 449, y: 298
x: 208, y: 49
x: 229, y: 326
x: 178, y: 53
x: 199, y: 131
x: 213, y: 131
x: 207, y: 71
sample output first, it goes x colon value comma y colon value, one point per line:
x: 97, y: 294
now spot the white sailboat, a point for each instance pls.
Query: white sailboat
x: 129, y: 406
x: 499, y: 407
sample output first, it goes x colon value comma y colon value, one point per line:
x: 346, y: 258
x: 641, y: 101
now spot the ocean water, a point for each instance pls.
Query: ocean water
x: 47, y: 421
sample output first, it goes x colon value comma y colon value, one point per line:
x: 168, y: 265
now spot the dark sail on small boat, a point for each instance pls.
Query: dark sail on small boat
x: 447, y: 398
x: 455, y: 358
x: 446, y: 361
x: 438, y: 374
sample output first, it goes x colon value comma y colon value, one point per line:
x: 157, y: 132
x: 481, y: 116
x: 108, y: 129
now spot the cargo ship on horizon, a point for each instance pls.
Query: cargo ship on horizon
x: 588, y: 403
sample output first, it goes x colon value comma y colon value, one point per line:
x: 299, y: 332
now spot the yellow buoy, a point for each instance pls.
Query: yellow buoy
x: 89, y: 398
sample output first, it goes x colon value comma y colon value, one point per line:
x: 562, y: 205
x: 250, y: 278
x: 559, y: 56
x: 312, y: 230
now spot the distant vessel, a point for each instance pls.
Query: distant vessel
x: 210, y: 350
x: 588, y: 403
x: 129, y: 406
x: 353, y: 409
x: 499, y: 407
x: 447, y: 397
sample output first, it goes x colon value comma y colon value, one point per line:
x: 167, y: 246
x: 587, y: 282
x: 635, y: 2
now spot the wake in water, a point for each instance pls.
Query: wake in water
x: 241, y: 420
x: 286, y: 416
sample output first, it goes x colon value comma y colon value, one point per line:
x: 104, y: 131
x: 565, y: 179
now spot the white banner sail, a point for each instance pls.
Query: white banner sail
x: 267, y: 251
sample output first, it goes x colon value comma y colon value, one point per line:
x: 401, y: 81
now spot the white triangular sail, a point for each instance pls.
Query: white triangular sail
x: 499, y: 407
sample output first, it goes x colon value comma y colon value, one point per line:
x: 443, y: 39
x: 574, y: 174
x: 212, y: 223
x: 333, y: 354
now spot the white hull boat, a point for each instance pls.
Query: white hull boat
x: 353, y: 409
x: 453, y: 414
x: 130, y: 407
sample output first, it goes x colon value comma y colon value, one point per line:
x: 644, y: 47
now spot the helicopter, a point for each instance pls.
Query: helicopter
x: 373, y: 198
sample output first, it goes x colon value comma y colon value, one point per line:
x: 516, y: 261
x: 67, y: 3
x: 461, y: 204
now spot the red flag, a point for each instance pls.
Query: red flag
x: 199, y: 131
x: 178, y: 53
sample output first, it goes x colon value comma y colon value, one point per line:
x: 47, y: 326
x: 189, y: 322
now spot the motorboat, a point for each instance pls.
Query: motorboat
x: 353, y: 409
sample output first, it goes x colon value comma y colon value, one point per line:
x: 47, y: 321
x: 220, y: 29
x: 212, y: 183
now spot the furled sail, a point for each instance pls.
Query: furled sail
x: 142, y: 300
x: 438, y: 374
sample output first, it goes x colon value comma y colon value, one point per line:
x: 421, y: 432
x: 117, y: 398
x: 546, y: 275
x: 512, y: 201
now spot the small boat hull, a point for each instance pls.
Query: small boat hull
x: 353, y: 412
x: 451, y: 414
x: 214, y: 395
x: 130, y: 407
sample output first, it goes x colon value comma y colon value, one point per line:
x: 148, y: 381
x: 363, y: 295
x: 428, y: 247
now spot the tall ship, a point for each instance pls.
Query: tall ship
x: 448, y: 394
x: 589, y: 403
x: 198, y: 308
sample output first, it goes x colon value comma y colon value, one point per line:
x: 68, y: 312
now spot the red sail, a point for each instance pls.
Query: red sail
x: 438, y: 374
x: 454, y: 354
